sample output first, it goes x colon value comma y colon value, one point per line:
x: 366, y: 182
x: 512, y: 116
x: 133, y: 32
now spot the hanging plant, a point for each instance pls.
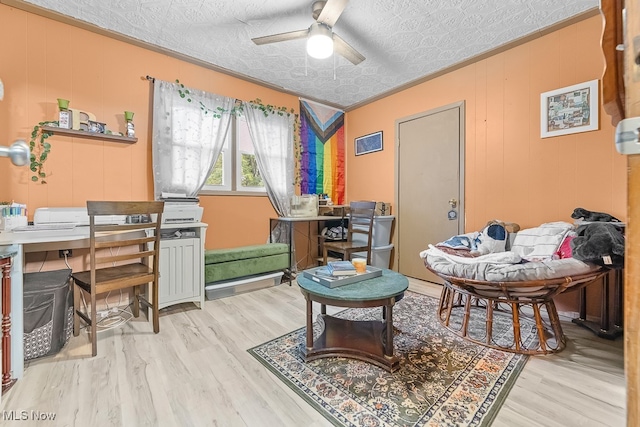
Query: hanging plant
x: 186, y: 95
x: 40, y: 149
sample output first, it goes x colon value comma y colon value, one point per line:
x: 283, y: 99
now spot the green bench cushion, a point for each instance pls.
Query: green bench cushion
x: 234, y: 263
x: 215, y: 256
x: 245, y: 267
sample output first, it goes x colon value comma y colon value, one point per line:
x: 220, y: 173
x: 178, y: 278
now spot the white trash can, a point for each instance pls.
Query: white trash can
x: 380, y: 256
x: 381, y: 235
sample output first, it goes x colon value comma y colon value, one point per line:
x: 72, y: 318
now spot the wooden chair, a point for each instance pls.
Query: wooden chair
x: 110, y: 270
x: 360, y: 222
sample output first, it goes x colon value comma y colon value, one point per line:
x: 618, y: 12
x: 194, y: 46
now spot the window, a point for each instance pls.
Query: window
x: 236, y: 169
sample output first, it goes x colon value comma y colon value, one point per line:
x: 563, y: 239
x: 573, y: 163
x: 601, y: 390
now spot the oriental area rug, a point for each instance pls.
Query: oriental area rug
x: 443, y: 380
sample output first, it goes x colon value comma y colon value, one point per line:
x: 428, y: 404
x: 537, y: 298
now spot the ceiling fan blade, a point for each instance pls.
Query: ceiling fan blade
x: 274, y: 38
x: 332, y: 11
x: 345, y: 49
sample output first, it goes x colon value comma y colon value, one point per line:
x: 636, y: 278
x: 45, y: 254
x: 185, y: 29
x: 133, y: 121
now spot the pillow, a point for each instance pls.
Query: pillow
x: 492, y: 239
x: 564, y: 251
x: 542, y: 242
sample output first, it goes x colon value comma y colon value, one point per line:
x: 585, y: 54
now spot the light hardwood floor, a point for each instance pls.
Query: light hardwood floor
x: 197, y: 372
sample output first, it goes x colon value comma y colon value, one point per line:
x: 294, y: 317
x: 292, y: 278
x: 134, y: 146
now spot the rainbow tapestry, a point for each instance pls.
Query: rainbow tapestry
x: 322, y: 169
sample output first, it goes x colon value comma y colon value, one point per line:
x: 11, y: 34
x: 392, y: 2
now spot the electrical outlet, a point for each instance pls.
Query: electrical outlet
x: 63, y: 252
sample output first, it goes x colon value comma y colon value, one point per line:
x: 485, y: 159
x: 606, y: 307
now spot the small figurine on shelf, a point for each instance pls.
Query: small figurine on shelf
x: 64, y: 116
x: 128, y: 116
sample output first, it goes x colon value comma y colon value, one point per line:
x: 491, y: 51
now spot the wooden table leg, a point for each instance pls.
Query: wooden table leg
x: 388, y: 345
x: 7, y: 382
x: 610, y: 324
x: 604, y: 313
x: 583, y: 303
x: 618, y: 298
x: 309, y: 324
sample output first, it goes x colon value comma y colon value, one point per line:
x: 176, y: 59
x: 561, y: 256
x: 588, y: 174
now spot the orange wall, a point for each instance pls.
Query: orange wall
x: 43, y: 60
x: 510, y: 173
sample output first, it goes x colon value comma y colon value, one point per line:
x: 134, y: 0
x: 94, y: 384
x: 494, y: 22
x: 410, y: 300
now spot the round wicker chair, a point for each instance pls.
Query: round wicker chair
x: 463, y: 300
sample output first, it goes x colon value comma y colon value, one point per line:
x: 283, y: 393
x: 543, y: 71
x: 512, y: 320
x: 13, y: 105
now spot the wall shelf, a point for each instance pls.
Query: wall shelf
x: 89, y: 135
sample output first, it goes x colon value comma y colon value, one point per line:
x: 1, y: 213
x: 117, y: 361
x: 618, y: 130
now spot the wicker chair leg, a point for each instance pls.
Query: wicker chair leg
x: 515, y: 313
x: 449, y: 306
x: 555, y: 325
x: 540, y: 327
x: 489, y: 322
x: 467, y: 315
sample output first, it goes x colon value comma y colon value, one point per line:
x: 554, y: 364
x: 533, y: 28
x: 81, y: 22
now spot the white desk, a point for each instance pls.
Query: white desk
x: 52, y: 240
x: 32, y: 241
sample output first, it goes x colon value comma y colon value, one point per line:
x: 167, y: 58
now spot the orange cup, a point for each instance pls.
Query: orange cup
x: 360, y: 264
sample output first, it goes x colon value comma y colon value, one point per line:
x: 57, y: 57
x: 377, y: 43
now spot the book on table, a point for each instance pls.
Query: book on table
x: 322, y: 276
x: 341, y: 268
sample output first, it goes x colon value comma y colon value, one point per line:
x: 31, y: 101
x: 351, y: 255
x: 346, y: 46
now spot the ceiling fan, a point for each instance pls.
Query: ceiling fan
x: 321, y: 40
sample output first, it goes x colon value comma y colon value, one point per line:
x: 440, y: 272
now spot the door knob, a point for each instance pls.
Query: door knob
x: 453, y: 203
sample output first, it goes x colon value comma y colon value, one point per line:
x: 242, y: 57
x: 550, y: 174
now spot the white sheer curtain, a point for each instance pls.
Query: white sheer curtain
x: 272, y: 136
x: 187, y: 136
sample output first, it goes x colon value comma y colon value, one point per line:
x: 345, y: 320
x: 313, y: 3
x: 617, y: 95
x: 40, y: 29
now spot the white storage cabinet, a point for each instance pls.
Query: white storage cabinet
x: 182, y: 264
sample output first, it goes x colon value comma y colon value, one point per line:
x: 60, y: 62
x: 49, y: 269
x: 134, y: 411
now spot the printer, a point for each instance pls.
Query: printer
x: 176, y: 213
x: 178, y: 208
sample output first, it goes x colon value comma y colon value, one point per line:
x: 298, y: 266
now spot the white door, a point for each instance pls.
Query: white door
x: 430, y: 184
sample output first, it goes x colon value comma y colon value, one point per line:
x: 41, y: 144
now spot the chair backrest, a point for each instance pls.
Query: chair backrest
x: 361, y: 220
x: 140, y: 235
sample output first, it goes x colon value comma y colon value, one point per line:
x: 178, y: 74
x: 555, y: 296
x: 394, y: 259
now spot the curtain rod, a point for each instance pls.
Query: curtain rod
x: 153, y: 80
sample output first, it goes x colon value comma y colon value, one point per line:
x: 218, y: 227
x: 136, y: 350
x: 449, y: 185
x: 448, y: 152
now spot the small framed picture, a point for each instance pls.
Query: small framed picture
x: 571, y: 109
x: 368, y: 143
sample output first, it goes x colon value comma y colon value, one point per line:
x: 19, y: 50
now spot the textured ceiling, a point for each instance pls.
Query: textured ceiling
x: 403, y: 40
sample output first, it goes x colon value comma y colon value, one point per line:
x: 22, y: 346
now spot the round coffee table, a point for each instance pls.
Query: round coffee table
x: 367, y: 340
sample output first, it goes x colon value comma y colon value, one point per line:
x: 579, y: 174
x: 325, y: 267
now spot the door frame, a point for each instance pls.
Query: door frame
x: 462, y: 218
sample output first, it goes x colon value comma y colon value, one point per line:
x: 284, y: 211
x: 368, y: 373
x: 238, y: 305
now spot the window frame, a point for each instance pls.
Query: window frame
x: 232, y: 156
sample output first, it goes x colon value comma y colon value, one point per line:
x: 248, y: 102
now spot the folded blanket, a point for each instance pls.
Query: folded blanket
x: 467, y: 241
x: 495, y: 258
x: 492, y: 239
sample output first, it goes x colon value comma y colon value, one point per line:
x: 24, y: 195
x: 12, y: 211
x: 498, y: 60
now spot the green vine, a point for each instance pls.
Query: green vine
x: 186, y: 95
x: 266, y: 109
x: 40, y: 150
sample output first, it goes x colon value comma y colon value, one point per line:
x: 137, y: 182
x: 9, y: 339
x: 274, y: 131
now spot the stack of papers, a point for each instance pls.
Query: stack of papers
x: 341, y: 268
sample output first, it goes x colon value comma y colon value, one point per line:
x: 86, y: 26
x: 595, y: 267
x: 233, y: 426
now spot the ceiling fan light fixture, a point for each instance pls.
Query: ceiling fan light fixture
x: 320, y: 41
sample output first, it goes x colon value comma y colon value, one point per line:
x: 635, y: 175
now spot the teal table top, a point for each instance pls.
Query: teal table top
x: 8, y: 251
x: 385, y: 286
